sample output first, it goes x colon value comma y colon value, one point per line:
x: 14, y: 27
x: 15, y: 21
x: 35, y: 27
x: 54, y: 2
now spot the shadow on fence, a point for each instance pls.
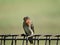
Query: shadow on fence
x: 25, y: 38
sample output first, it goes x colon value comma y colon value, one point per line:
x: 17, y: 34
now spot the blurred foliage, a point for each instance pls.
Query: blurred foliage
x: 45, y: 15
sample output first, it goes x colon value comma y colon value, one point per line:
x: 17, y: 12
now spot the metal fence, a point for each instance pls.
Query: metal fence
x: 36, y: 37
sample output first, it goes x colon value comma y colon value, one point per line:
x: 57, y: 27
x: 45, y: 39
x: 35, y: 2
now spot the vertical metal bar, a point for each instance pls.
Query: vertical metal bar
x: 12, y: 40
x: 38, y: 41
x: 46, y: 41
x: 15, y: 40
x: 23, y: 40
x: 49, y: 40
x: 1, y: 40
x: 4, y: 40
x: 57, y: 40
x: 35, y: 40
x: 26, y: 40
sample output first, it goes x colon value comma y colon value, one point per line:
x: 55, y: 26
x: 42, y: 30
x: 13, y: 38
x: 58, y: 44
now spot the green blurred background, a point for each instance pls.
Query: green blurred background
x: 45, y: 15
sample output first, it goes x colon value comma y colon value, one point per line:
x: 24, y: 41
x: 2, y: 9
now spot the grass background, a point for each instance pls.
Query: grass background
x: 45, y: 15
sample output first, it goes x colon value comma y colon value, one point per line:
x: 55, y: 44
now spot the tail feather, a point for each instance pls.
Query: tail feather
x: 30, y: 40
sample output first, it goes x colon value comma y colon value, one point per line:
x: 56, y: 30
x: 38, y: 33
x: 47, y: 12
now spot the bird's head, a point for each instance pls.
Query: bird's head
x: 27, y: 20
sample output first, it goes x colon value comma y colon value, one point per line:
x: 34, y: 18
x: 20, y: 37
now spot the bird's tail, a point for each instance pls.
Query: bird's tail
x: 30, y: 40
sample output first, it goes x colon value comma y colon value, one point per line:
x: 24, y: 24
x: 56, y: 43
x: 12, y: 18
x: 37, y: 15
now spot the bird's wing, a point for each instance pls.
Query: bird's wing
x: 32, y: 27
x: 26, y: 29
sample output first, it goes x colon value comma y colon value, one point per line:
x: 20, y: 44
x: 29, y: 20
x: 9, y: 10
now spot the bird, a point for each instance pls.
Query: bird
x: 28, y: 28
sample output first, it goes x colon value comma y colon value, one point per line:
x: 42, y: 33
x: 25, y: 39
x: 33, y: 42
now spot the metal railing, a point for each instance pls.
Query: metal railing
x: 25, y: 38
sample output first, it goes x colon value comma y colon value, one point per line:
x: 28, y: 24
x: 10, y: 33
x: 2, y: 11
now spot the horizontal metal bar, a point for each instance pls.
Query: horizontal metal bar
x: 7, y: 35
x: 32, y: 39
x: 10, y: 35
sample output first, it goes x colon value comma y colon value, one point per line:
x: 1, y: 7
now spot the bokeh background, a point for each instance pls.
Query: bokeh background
x: 45, y: 15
